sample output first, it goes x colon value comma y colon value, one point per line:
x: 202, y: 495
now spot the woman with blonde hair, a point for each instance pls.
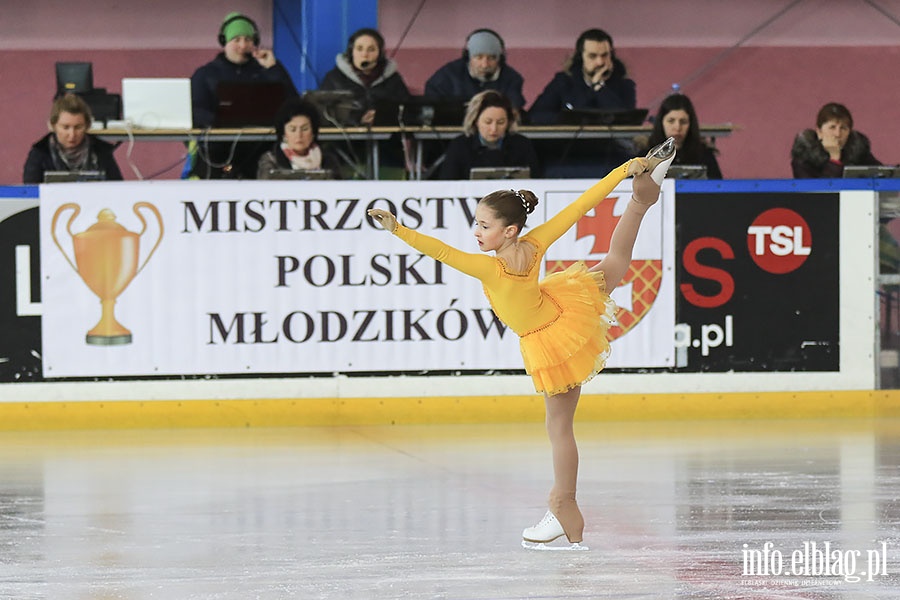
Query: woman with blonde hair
x: 69, y: 146
x: 489, y: 139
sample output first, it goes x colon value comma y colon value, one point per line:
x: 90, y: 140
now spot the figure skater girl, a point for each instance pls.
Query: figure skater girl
x: 562, y: 320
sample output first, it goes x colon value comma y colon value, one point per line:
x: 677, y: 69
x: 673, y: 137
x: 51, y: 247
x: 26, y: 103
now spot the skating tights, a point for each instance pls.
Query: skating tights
x: 560, y: 427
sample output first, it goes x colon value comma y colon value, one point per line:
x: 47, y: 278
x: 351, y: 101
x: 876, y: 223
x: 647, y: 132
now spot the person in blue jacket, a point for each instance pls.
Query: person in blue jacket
x: 481, y: 67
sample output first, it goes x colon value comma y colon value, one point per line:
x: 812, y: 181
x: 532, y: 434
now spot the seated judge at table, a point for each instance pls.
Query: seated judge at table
x: 241, y: 61
x: 364, y: 70
x: 593, y: 77
x: 823, y: 152
x: 482, y: 67
x: 677, y: 118
x: 297, y: 146
x: 69, y: 146
x: 489, y: 139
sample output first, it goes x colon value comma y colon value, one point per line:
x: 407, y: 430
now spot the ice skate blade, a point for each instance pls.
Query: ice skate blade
x: 546, y: 546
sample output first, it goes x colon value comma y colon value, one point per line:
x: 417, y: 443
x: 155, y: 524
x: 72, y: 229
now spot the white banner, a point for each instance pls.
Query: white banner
x: 189, y: 278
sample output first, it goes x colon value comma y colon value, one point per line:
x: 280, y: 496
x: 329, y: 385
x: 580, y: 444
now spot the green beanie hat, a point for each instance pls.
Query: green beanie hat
x: 239, y: 25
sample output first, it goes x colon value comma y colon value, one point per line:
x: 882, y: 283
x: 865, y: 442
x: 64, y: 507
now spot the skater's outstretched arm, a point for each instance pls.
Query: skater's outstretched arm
x: 475, y: 265
x: 555, y: 227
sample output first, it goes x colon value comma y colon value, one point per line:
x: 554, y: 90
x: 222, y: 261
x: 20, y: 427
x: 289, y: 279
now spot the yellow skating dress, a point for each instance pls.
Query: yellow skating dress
x: 562, y: 320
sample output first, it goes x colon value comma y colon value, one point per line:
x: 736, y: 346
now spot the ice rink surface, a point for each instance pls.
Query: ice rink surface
x: 754, y: 509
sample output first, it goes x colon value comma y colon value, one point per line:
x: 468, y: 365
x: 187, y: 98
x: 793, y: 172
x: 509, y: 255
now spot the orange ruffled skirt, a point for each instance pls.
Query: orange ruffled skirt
x: 569, y: 351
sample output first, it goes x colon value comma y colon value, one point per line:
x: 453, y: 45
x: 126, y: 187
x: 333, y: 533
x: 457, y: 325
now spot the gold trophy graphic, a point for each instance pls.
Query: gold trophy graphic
x: 106, y: 255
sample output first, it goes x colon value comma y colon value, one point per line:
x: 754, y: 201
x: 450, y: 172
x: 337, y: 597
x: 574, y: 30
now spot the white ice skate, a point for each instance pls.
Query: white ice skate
x: 541, y: 535
x: 660, y: 158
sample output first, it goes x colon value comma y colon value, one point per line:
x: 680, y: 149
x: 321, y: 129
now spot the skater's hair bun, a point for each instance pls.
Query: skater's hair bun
x: 512, y: 206
x: 528, y: 199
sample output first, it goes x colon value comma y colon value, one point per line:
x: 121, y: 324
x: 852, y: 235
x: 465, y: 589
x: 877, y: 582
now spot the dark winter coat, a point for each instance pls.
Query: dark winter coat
x: 206, y: 79
x: 40, y: 160
x: 467, y: 151
x: 454, y: 81
x: 388, y: 86
x: 810, y: 160
x: 567, y: 91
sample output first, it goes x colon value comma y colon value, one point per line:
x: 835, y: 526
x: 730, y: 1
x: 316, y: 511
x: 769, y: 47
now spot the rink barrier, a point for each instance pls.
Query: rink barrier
x: 330, y: 412
x: 339, y: 401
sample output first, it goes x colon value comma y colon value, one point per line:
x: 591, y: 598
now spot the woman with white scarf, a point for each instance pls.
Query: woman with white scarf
x: 296, y: 146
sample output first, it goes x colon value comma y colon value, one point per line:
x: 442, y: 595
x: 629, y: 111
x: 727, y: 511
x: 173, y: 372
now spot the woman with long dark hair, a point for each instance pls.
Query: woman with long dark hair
x: 676, y: 118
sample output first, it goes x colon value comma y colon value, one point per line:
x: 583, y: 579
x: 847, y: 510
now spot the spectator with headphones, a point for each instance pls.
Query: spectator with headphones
x: 482, y: 67
x: 593, y: 77
x: 364, y: 70
x: 241, y: 59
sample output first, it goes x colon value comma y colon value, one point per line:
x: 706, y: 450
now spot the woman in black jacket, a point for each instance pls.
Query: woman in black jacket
x: 823, y: 152
x: 490, y: 139
x: 297, y: 143
x: 677, y: 118
x: 68, y: 146
x: 364, y: 70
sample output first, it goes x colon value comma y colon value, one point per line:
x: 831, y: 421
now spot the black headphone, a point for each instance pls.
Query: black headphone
x: 379, y: 40
x: 227, y: 22
x: 493, y: 33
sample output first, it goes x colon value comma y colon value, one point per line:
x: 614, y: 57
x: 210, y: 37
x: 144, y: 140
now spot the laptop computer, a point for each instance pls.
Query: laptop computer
x: 500, y: 173
x: 68, y: 176
x: 157, y: 102
x: 302, y: 174
x: 686, y: 172
x: 596, y: 116
x: 248, y: 104
x: 420, y: 111
x: 871, y: 172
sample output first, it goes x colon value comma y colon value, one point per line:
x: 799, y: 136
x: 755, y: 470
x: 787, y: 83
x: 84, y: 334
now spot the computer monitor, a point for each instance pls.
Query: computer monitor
x: 69, y: 176
x: 74, y: 78
x: 104, y: 107
x: 687, y: 172
x: 596, y: 116
x: 337, y: 107
x: 248, y: 104
x: 871, y: 172
x: 499, y: 172
x: 301, y: 174
x: 420, y: 111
